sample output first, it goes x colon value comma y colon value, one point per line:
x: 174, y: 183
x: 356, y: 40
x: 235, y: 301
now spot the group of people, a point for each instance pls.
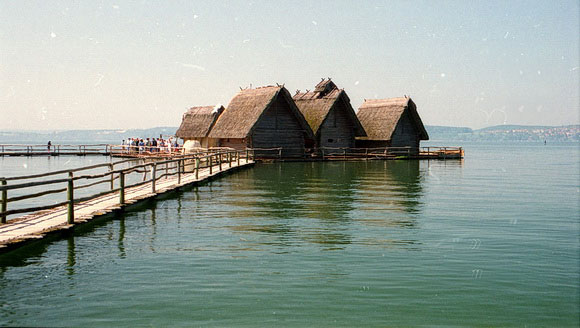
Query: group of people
x: 150, y: 145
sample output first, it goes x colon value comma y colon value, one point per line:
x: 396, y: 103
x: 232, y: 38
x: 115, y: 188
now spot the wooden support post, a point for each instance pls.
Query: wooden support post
x: 280, y: 153
x: 112, y: 176
x: 153, y: 177
x: 4, y: 203
x: 210, y: 164
x: 247, y: 155
x: 220, y: 157
x: 230, y: 159
x: 122, y: 188
x: 238, y: 157
x: 197, y: 160
x: 71, y: 199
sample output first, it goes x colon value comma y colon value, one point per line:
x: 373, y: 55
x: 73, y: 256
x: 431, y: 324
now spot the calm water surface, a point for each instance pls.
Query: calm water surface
x: 492, y: 240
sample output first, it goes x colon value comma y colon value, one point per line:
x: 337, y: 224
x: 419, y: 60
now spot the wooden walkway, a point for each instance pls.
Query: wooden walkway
x: 37, y: 225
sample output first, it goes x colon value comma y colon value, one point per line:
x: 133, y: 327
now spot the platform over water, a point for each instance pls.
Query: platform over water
x: 179, y: 172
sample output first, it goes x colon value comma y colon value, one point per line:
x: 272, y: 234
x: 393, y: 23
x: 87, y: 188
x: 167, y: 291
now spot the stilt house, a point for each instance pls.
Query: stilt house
x: 197, y: 123
x: 265, y: 118
x: 392, y: 122
x: 330, y: 115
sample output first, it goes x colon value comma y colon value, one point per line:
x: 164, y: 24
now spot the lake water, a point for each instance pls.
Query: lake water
x: 492, y: 240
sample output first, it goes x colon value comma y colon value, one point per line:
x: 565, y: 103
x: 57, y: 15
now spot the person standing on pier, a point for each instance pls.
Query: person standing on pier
x: 49, y: 145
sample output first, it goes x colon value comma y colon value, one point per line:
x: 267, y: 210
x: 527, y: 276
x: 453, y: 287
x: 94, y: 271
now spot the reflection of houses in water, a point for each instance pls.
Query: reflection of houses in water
x: 390, y: 193
x: 320, y: 203
x: 296, y: 201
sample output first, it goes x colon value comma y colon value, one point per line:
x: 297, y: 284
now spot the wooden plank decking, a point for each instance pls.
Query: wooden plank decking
x: 36, y: 225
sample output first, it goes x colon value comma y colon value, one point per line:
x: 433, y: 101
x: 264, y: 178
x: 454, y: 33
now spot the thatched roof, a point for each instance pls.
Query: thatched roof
x: 315, y: 105
x: 380, y: 117
x: 246, y: 108
x: 198, y: 121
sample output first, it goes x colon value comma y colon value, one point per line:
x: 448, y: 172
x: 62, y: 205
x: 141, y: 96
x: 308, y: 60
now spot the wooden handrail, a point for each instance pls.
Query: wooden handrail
x: 170, y: 167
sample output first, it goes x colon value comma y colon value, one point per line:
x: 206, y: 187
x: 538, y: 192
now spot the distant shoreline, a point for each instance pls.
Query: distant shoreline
x: 525, y: 133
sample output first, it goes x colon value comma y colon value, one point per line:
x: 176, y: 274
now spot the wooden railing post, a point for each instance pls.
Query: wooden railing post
x: 4, y: 202
x: 210, y: 163
x: 230, y: 159
x: 238, y: 157
x: 153, y: 177
x: 220, y: 157
x: 112, y: 176
x: 122, y: 188
x: 247, y: 155
x: 280, y: 153
x: 197, y: 160
x: 70, y: 199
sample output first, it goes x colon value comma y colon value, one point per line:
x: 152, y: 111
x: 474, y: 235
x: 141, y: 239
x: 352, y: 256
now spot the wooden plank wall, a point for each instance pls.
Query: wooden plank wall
x: 405, y: 134
x: 279, y: 127
x: 337, y: 130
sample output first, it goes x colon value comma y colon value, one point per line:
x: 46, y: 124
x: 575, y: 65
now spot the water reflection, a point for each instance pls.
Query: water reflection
x: 121, y: 240
x: 322, y: 203
x: 70, y: 256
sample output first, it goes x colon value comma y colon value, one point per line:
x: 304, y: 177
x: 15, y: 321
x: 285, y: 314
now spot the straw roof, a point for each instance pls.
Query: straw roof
x: 198, y: 121
x: 246, y: 108
x: 381, y: 116
x: 316, y: 105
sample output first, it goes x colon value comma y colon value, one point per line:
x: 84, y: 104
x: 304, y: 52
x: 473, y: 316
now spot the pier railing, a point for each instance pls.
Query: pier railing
x: 55, y: 150
x: 379, y: 152
x: 330, y: 153
x: 80, y: 184
x: 442, y: 152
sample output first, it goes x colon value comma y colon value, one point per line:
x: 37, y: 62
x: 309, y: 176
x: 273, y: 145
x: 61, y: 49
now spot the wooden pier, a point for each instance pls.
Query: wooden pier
x: 323, y: 153
x: 54, y: 150
x: 127, y: 184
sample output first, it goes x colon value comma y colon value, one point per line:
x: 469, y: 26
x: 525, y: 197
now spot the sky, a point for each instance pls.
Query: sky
x: 142, y: 64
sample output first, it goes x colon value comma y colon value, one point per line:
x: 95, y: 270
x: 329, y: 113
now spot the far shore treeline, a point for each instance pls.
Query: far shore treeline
x: 569, y: 133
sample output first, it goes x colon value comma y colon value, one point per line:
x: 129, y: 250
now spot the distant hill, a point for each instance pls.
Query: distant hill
x: 507, y: 133
x: 82, y: 136
x: 439, y: 133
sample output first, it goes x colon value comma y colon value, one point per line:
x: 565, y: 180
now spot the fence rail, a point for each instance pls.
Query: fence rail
x: 54, y: 150
x: 118, y: 177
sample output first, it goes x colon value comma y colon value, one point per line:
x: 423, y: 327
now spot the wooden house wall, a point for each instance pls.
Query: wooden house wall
x: 279, y: 127
x: 205, y: 142
x: 337, y: 131
x: 405, y: 134
x: 235, y: 143
x: 372, y: 143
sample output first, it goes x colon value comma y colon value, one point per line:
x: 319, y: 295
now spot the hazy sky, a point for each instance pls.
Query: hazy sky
x: 140, y: 64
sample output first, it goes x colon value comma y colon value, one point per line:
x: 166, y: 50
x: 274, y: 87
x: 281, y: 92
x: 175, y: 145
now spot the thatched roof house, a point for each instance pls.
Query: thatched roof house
x: 392, y: 122
x: 265, y: 117
x: 197, y: 123
x: 330, y: 115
